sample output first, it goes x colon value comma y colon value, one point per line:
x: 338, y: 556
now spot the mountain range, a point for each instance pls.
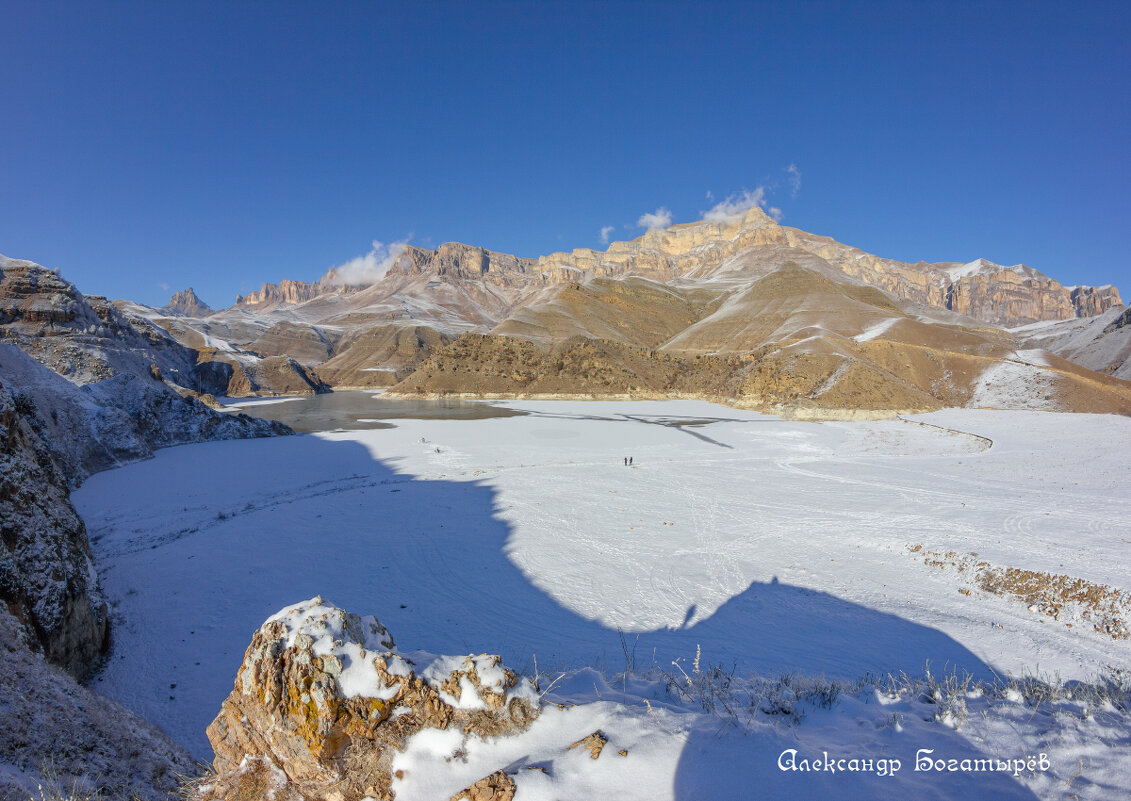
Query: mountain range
x: 742, y: 310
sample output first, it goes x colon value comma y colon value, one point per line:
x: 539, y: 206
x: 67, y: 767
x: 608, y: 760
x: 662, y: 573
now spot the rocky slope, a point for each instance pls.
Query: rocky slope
x: 221, y: 368
x: 81, y: 390
x: 324, y: 699
x: 1101, y: 343
x: 788, y: 338
x: 120, y: 419
x: 47, y: 575
x: 53, y: 725
x: 84, y: 339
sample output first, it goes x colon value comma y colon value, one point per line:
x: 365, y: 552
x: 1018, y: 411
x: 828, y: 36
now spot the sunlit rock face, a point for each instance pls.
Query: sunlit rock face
x: 324, y: 699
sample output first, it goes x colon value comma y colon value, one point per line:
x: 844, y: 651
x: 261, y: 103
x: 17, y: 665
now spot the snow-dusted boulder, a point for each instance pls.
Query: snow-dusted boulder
x: 325, y: 697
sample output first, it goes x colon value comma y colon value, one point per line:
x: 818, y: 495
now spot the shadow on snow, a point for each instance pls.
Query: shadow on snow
x: 267, y: 523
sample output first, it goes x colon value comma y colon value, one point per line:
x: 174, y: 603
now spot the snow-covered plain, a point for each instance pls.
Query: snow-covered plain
x: 771, y: 546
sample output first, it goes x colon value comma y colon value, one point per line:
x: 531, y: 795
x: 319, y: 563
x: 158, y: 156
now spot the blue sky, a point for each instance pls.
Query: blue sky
x: 150, y: 146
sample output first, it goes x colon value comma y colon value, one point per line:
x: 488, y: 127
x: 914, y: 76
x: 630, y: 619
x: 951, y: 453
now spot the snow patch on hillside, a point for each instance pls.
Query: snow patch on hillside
x: 877, y: 330
x: 1015, y: 385
x: 985, y: 267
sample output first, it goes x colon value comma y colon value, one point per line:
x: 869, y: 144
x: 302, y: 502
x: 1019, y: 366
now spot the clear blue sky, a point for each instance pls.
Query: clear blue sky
x: 162, y: 144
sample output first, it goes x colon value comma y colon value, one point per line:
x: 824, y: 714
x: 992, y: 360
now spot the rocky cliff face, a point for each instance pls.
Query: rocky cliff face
x: 466, y: 262
x: 1091, y: 301
x: 323, y: 700
x: 286, y: 292
x: 452, y: 259
x: 983, y: 290
x: 83, y: 338
x: 47, y: 575
x: 186, y: 304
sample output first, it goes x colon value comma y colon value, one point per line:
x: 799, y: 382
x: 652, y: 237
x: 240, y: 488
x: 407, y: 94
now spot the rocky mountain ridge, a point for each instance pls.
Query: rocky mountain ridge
x: 186, y: 304
x: 1001, y: 295
x: 379, y: 334
x: 981, y: 289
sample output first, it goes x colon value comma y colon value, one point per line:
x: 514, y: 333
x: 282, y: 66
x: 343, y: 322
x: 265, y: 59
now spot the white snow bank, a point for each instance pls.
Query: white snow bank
x: 1009, y: 384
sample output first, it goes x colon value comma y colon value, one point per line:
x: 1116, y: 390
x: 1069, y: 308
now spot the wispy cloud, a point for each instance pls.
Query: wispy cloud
x: 740, y: 202
x: 370, y: 268
x: 164, y: 286
x: 660, y: 218
x: 735, y: 205
x: 710, y: 196
x: 606, y: 232
x: 794, y: 180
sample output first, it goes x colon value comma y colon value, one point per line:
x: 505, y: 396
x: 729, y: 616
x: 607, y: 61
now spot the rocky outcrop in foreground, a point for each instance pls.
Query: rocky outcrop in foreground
x: 323, y: 700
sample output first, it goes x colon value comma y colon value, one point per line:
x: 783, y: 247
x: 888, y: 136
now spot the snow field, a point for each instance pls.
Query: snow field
x: 774, y: 546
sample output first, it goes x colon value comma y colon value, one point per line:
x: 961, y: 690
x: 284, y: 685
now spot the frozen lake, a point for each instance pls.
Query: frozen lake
x: 360, y: 409
x: 771, y: 545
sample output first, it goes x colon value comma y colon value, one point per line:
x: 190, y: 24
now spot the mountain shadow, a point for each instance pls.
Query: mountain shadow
x: 201, y: 544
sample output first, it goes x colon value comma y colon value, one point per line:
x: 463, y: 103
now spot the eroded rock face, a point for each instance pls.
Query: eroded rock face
x: 47, y: 576
x: 326, y: 698
x: 245, y: 375
x: 186, y: 304
x: 83, y: 338
x: 286, y: 292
